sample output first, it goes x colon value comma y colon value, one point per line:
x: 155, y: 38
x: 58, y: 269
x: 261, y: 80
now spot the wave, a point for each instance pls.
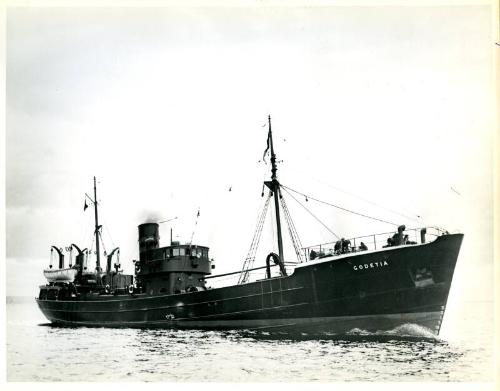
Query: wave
x: 405, y: 332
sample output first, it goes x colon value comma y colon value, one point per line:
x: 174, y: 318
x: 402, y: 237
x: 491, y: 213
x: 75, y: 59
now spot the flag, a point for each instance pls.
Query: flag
x: 198, y: 214
x: 267, y: 149
x: 85, y: 206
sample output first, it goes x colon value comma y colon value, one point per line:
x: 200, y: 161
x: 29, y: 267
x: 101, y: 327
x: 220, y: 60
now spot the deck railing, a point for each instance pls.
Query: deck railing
x: 409, y: 236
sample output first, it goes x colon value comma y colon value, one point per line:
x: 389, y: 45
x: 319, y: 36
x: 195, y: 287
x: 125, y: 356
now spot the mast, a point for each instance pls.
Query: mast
x: 98, y: 258
x: 274, y: 186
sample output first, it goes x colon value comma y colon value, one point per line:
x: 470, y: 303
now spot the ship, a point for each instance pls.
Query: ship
x: 373, y: 283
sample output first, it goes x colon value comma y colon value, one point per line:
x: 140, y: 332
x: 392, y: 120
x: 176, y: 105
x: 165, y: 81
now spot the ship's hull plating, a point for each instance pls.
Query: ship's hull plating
x: 370, y: 291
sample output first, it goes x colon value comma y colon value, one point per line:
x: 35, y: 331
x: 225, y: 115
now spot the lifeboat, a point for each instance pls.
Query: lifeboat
x: 53, y: 275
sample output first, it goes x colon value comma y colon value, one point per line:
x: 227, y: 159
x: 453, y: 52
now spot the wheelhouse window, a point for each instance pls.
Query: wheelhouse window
x: 178, y: 251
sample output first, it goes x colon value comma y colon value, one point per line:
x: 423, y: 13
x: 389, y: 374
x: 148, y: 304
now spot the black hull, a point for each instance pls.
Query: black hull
x: 375, y: 290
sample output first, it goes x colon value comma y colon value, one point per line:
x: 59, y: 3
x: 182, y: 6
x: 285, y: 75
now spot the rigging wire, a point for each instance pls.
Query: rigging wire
x: 264, y: 180
x: 106, y: 226
x: 271, y: 227
x: 90, y: 251
x: 250, y: 258
x: 363, y: 199
x: 297, y: 245
x: 102, y: 242
x: 312, y: 214
x: 195, y: 225
x: 88, y: 224
x: 336, y: 206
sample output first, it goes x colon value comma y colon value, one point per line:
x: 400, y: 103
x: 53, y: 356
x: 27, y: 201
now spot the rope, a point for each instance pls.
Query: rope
x: 339, y: 207
x: 311, y: 213
x: 86, y: 260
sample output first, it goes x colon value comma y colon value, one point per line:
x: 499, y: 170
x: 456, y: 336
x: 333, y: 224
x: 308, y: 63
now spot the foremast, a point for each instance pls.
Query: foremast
x: 274, y: 186
x: 96, y: 230
x: 98, y: 255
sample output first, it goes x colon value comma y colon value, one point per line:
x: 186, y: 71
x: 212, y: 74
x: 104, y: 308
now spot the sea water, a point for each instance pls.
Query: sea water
x: 39, y: 352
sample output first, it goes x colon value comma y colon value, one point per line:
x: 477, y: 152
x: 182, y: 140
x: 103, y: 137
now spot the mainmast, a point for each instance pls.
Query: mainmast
x: 98, y: 258
x: 274, y: 186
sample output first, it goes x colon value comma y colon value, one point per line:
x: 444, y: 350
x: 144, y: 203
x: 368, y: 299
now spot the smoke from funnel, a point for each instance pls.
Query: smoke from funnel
x: 148, y: 216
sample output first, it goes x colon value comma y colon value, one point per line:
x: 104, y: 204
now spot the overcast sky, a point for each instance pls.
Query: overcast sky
x: 166, y: 106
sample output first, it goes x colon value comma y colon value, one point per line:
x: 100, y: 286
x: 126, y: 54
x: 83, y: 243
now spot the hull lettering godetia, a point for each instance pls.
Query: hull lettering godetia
x: 370, y: 265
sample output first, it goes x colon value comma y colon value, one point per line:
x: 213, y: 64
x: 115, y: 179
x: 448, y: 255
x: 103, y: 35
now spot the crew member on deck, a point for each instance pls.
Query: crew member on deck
x: 338, y: 247
x: 362, y: 247
x: 395, y: 239
x: 390, y: 243
x: 346, y: 246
